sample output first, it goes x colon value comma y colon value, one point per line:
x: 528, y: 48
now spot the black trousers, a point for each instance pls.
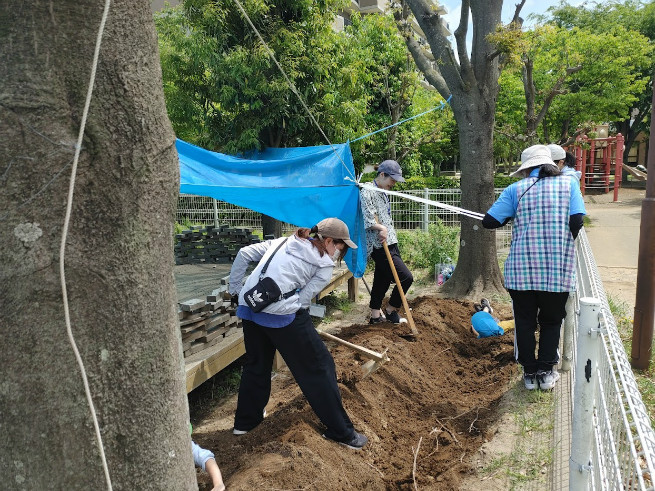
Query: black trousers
x: 310, y: 363
x: 383, y: 277
x: 547, y: 309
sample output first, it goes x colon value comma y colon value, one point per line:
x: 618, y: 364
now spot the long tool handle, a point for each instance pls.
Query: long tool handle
x: 374, y: 355
x: 410, y: 319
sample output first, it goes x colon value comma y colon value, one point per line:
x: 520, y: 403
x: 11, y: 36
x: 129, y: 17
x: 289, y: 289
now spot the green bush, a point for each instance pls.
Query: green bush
x: 186, y: 225
x: 421, y: 249
x: 441, y: 182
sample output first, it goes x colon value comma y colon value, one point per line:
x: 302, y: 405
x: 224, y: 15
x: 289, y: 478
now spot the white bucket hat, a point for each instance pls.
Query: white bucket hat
x: 556, y: 152
x: 534, y: 156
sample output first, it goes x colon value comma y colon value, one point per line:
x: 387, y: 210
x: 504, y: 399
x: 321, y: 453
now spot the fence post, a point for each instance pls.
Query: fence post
x: 215, y: 212
x: 426, y: 217
x: 569, y: 331
x: 584, y: 394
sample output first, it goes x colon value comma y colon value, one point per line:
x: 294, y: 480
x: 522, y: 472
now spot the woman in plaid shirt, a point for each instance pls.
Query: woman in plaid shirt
x: 379, y: 229
x: 548, y: 210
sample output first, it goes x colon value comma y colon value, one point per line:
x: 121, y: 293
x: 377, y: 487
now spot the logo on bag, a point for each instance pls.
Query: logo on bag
x: 255, y: 298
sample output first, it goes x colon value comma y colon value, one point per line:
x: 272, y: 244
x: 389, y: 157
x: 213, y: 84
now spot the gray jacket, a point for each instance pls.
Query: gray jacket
x: 298, y: 265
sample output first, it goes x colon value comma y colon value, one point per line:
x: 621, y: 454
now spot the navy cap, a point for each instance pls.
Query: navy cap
x: 392, y: 169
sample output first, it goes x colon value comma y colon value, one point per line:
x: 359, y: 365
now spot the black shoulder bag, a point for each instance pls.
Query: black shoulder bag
x: 266, y: 291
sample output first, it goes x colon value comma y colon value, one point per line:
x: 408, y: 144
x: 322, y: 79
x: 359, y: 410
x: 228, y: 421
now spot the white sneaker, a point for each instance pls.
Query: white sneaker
x: 547, y: 378
x: 530, y: 381
x: 243, y: 432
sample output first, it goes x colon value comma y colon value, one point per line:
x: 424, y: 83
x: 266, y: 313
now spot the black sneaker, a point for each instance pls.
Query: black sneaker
x: 377, y: 320
x: 356, y: 442
x: 394, y: 317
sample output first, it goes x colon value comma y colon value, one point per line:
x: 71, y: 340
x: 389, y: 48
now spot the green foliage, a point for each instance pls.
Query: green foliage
x: 440, y: 182
x: 186, y: 225
x: 425, y: 249
x: 223, y: 83
x: 394, y: 93
x: 223, y: 92
x: 336, y: 302
x: 616, y: 62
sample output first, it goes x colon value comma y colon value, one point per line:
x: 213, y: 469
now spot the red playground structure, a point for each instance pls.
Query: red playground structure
x: 601, y: 164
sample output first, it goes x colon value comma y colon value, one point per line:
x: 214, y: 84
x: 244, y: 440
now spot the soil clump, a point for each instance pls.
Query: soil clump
x: 426, y: 412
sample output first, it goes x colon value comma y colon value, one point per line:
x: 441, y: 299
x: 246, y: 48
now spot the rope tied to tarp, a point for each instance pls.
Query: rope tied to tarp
x: 440, y: 106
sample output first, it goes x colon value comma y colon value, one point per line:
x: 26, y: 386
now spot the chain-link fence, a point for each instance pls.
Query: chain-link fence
x: 407, y: 214
x: 623, y: 455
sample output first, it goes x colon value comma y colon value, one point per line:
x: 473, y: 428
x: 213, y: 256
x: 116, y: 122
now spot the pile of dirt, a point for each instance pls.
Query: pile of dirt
x: 426, y: 412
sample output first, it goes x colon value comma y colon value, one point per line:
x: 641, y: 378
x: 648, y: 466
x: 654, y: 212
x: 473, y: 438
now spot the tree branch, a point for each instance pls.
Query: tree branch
x: 460, y: 40
x: 516, y: 19
x: 430, y: 23
x: 433, y: 76
x: 555, y: 91
x: 415, y: 145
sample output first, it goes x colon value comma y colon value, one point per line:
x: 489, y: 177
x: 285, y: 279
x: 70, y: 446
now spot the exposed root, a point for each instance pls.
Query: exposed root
x: 414, y: 466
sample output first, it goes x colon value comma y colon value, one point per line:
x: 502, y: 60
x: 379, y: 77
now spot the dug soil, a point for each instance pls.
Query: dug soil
x: 426, y: 412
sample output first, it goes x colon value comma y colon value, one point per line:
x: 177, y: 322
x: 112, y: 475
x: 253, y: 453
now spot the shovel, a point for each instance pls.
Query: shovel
x: 410, y: 319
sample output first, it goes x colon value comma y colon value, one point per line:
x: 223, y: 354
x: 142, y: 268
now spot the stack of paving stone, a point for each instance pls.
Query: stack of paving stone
x: 205, y: 323
x: 211, y: 244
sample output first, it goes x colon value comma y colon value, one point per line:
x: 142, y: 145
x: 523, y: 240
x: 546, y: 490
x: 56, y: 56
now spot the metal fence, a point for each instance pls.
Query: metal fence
x: 407, y: 214
x: 623, y: 455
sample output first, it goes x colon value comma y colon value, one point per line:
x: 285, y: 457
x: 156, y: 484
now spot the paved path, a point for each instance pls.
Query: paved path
x: 614, y: 238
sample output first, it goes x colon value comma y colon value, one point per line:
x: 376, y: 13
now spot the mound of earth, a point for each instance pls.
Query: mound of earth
x: 426, y: 412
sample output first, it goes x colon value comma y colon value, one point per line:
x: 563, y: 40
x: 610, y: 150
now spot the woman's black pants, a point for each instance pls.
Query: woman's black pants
x: 383, y: 277
x: 311, y: 365
x: 547, y: 309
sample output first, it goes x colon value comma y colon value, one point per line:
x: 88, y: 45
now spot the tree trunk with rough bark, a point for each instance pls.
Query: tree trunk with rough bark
x: 119, y: 253
x: 472, y: 80
x: 477, y: 272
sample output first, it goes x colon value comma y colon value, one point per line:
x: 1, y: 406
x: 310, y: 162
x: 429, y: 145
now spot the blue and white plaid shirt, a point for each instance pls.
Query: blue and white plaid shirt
x: 542, y: 252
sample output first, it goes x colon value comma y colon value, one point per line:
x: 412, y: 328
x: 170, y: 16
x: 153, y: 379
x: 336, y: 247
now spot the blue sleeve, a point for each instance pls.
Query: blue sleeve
x: 576, y: 204
x: 506, y: 204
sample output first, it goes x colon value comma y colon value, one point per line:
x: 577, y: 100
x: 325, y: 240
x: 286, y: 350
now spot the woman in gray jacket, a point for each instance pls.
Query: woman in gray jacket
x: 301, y: 266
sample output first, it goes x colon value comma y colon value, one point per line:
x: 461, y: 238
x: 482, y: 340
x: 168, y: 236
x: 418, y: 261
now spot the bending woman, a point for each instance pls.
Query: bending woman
x: 301, y: 267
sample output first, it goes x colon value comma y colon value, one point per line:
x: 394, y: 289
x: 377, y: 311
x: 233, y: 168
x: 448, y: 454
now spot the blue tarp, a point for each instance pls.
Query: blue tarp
x: 300, y: 186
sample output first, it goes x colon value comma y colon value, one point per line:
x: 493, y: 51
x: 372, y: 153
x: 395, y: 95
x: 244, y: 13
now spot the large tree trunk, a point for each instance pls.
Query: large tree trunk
x: 473, y: 83
x: 477, y: 272
x: 119, y: 253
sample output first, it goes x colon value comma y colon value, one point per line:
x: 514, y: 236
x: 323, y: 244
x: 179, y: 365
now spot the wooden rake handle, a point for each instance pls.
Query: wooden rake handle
x: 410, y: 319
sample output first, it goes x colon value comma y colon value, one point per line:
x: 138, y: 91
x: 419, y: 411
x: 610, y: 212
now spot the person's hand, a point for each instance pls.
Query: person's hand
x: 220, y: 487
x: 382, y: 233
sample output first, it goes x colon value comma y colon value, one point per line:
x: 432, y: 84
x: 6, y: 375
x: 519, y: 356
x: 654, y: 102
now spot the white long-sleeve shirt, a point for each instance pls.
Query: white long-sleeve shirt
x: 298, y: 265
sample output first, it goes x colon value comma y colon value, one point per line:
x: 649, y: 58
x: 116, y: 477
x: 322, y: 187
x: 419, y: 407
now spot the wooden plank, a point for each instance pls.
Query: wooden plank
x: 191, y: 319
x: 336, y: 281
x: 214, y: 360
x: 353, y: 288
x: 214, y: 334
x: 191, y: 305
x: 192, y: 336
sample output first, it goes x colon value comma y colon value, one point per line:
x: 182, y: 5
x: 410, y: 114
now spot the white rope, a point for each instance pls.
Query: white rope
x: 438, y: 204
x: 62, y: 248
x: 291, y: 85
